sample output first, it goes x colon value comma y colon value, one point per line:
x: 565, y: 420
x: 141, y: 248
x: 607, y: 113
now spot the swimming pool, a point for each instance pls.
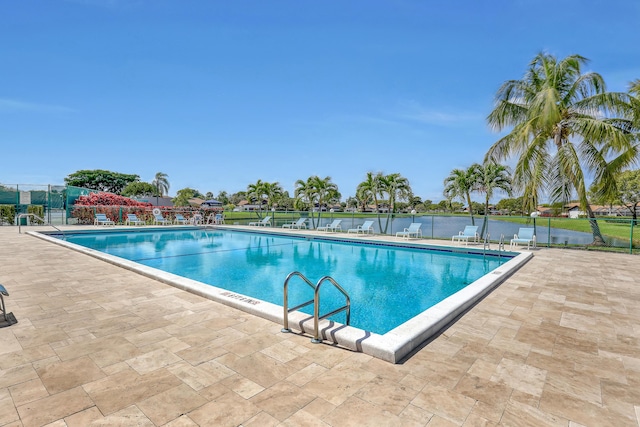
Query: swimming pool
x: 392, y: 286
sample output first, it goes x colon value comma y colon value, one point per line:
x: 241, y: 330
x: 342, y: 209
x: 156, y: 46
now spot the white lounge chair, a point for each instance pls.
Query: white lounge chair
x: 300, y: 223
x: 334, y: 226
x: 179, y: 219
x: 219, y: 219
x: 263, y: 222
x: 132, y: 219
x: 412, y: 231
x: 469, y: 232
x: 101, y: 219
x: 158, y: 219
x: 525, y: 235
x: 365, y: 228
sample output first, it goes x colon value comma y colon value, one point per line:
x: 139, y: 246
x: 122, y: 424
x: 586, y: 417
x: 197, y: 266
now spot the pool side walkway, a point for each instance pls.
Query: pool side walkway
x: 557, y: 344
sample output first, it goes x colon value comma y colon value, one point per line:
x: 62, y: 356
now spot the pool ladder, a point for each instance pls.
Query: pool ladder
x: 487, y: 245
x: 316, y: 303
x: 27, y: 215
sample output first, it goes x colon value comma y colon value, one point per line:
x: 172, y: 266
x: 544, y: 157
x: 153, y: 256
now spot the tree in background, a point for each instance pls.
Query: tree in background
x: 460, y: 184
x: 273, y: 193
x: 627, y: 192
x: 491, y: 177
x: 256, y: 193
x: 183, y: 196
x: 396, y: 187
x: 369, y: 190
x: 161, y: 183
x: 101, y: 180
x: 139, y: 189
x: 223, y: 197
x: 316, y: 191
x: 563, y: 124
x: 513, y: 206
x: 415, y: 202
x: 236, y: 198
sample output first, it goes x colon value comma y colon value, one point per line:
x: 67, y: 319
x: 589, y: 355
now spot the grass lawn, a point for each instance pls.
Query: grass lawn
x: 618, y: 230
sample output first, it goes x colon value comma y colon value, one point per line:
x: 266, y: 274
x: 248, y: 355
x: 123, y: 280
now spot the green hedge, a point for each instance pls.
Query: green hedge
x: 37, y: 210
x: 8, y: 214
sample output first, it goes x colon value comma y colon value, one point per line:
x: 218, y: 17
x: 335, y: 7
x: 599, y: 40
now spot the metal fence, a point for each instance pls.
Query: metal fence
x: 618, y: 234
x: 55, y: 203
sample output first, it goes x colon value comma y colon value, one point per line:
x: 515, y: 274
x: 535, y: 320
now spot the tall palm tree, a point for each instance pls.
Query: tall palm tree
x: 256, y: 193
x: 161, y: 183
x: 397, y: 188
x: 460, y: 184
x: 491, y: 177
x: 369, y: 190
x: 317, y: 191
x: 563, y: 125
x: 272, y: 191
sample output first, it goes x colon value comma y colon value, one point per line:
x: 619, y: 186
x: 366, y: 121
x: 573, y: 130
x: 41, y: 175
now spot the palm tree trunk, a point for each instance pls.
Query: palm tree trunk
x: 380, y: 219
x: 598, y: 240
x: 486, y: 218
x: 473, y: 222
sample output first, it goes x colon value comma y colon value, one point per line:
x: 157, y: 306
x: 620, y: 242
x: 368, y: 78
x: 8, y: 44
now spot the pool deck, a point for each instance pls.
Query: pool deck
x: 557, y: 344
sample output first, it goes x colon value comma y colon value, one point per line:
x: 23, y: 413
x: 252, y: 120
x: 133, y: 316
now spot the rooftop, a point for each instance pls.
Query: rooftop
x: 557, y: 343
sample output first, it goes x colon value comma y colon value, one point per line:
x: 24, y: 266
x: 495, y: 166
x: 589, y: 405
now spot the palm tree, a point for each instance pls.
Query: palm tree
x: 564, y: 125
x: 272, y: 191
x: 396, y: 187
x: 317, y: 191
x: 256, y: 194
x: 460, y: 183
x: 491, y: 177
x: 161, y: 183
x: 369, y: 190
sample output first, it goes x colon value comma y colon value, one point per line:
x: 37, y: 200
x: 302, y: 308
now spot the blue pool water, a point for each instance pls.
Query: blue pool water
x: 387, y: 285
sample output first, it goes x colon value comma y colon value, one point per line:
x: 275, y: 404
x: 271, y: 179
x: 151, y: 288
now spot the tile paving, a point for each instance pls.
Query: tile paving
x: 557, y: 344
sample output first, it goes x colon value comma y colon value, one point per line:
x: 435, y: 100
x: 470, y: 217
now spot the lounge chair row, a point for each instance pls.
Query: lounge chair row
x: 262, y: 223
x: 132, y: 219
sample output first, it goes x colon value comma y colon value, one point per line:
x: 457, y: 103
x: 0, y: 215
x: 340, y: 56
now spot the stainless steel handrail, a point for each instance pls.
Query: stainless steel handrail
x: 316, y: 307
x: 285, y: 304
x: 316, y: 303
x: 27, y: 215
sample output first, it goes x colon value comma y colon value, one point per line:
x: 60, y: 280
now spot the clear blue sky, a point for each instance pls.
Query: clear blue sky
x: 219, y: 94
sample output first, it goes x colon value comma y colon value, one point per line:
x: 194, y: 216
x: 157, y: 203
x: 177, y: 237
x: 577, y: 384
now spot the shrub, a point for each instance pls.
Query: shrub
x: 37, y: 210
x: 110, y: 204
x: 7, y: 214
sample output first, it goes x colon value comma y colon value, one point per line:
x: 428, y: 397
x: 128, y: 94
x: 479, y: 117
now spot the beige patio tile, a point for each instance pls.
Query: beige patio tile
x: 242, y: 386
x: 338, y: 384
x: 228, y: 409
x: 65, y: 375
x: 387, y: 395
x: 282, y: 400
x: 28, y: 391
x: 355, y: 411
x: 55, y: 407
x: 445, y: 403
x: 153, y: 360
x: 519, y: 376
x: 130, y: 416
x: 568, y: 354
x: 170, y: 404
x: 120, y: 390
x: 83, y: 418
x: 8, y: 410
